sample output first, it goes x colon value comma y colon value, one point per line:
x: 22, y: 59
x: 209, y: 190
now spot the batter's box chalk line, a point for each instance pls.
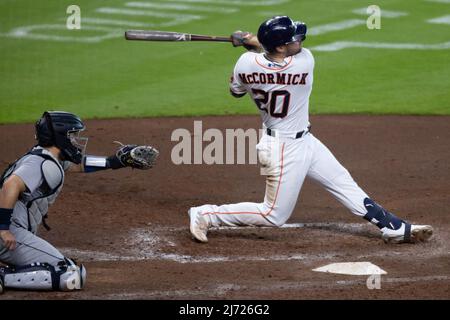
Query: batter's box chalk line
x: 159, y: 243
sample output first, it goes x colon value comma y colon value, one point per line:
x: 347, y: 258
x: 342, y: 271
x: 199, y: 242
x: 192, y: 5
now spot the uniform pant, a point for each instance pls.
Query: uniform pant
x: 287, y: 161
x: 30, y: 248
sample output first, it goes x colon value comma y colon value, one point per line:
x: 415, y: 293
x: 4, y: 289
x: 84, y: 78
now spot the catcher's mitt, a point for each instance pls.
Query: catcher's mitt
x: 137, y: 157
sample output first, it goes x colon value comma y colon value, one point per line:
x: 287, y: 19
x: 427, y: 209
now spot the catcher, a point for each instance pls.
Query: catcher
x: 31, y: 184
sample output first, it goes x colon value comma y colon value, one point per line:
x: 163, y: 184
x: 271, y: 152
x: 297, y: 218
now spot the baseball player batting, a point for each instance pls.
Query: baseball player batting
x: 31, y: 184
x: 278, y: 77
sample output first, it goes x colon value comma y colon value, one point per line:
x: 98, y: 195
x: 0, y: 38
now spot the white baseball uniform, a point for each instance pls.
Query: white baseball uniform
x: 287, y: 151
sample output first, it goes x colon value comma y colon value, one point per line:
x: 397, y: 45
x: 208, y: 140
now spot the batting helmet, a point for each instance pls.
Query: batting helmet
x: 280, y: 30
x: 62, y: 130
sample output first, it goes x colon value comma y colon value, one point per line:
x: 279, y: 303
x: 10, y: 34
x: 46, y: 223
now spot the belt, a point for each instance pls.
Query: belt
x: 276, y: 133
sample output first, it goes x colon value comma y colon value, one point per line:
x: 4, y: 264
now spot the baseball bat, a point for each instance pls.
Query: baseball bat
x: 153, y: 35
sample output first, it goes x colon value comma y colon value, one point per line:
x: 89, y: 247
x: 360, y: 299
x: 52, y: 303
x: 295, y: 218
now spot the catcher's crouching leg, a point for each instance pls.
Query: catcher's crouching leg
x: 66, y: 276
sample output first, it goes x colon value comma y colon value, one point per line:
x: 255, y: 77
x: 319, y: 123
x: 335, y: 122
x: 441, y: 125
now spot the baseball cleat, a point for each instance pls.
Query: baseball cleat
x: 199, y: 225
x: 407, y: 233
x: 1, y: 285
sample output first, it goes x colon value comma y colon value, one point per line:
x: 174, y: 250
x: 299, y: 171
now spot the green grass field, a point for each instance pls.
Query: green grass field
x: 113, y: 77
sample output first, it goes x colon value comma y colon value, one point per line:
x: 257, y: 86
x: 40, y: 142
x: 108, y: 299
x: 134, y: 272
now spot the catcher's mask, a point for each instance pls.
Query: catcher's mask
x: 62, y: 130
x: 280, y: 30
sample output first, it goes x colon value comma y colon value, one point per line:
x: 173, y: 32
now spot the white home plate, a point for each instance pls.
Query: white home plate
x: 352, y: 268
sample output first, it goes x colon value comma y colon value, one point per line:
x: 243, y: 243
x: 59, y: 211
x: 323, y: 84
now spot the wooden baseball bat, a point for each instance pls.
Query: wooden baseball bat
x: 153, y: 35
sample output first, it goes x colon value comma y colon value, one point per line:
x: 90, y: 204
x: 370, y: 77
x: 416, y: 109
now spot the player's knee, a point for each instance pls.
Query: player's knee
x: 278, y: 223
x: 278, y: 216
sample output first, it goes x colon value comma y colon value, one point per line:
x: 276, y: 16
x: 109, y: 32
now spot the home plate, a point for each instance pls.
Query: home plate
x: 352, y: 268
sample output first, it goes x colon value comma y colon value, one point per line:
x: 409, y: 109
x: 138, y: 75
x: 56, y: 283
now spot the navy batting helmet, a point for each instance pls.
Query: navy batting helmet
x: 62, y: 130
x: 280, y: 30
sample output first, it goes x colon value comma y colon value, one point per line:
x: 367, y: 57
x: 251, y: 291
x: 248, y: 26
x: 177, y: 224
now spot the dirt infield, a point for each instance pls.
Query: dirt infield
x: 130, y: 228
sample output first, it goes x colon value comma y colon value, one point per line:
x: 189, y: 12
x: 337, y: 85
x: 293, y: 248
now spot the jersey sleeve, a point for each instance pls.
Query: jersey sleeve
x: 310, y: 55
x: 237, y: 88
x: 30, y: 172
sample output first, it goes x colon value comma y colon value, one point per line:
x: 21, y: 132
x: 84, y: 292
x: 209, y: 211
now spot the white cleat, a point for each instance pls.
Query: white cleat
x: 199, y: 225
x: 407, y: 233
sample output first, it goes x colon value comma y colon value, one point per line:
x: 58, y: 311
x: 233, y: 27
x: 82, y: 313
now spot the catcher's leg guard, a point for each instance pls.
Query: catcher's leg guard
x: 65, y: 276
x: 71, y: 276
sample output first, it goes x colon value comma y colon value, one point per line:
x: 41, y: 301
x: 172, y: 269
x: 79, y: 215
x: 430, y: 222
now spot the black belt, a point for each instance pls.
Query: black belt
x: 298, y: 135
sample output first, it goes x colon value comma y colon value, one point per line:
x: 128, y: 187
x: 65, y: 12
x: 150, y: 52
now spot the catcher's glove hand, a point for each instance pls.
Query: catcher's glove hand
x: 137, y: 157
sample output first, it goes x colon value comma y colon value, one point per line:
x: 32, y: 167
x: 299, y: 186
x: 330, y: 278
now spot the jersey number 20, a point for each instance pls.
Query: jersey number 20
x: 262, y: 98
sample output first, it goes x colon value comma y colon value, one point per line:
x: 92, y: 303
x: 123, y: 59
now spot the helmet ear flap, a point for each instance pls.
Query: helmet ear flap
x: 300, y: 30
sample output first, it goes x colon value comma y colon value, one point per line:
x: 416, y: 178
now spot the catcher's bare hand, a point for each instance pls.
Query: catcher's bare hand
x: 137, y: 157
x: 9, y: 241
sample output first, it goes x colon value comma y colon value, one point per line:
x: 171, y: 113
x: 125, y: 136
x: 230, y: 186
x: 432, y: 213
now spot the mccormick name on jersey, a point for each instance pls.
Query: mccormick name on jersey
x: 273, y: 78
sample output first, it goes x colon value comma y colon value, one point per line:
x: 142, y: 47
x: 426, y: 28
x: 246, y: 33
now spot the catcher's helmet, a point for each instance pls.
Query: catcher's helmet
x: 280, y: 30
x: 62, y: 130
